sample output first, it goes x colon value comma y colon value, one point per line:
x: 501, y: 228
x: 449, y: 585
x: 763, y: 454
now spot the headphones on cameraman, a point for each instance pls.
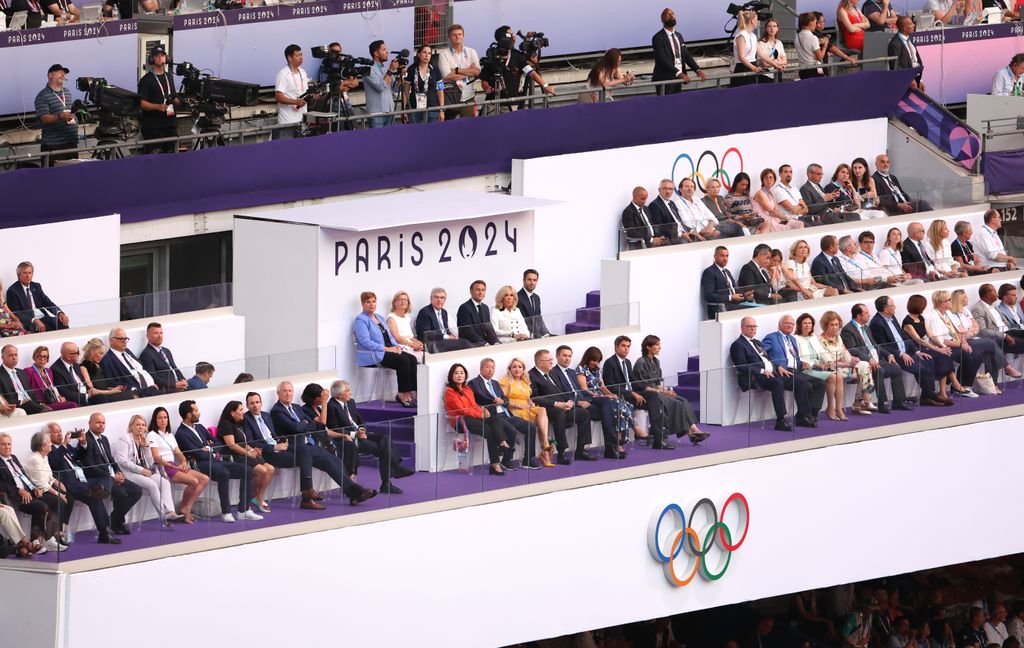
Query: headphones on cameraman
x: 153, y: 51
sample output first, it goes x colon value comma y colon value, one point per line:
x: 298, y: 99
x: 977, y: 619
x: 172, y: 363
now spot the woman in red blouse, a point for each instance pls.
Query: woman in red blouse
x: 465, y: 414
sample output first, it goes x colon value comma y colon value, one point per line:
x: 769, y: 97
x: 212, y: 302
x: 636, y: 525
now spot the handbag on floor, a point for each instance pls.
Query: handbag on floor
x: 983, y: 384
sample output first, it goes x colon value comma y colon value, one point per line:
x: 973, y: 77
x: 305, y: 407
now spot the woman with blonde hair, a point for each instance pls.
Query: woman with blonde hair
x: 847, y: 366
x: 516, y: 386
x: 744, y: 49
x: 506, y: 318
x: 943, y: 333
x: 399, y: 323
x: 97, y: 387
x: 134, y: 457
x: 985, y: 350
x: 798, y: 274
x: 942, y: 250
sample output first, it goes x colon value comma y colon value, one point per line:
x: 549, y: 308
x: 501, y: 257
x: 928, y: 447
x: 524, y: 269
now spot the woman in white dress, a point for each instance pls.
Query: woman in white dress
x: 135, y: 459
x: 798, y: 275
x: 942, y: 250
x: 822, y: 365
x: 506, y: 318
x: 400, y: 325
x: 605, y: 74
x: 744, y: 49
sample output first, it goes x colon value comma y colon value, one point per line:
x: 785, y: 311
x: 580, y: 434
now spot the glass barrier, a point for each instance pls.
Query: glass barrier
x: 507, y: 326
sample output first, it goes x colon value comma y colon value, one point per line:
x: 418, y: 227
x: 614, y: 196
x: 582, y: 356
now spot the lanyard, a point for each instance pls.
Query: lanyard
x: 164, y: 93
x: 60, y: 97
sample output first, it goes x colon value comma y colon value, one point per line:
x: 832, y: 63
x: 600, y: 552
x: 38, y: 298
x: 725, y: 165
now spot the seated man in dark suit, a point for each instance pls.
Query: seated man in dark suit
x: 619, y: 377
x: 529, y: 305
x: 281, y: 452
x: 489, y: 394
x: 562, y: 410
x: 204, y: 374
x: 820, y: 203
x: 14, y: 384
x: 916, y: 260
x: 808, y: 391
x: 95, y: 457
x: 343, y: 418
x: 891, y: 195
x: 639, y: 226
x: 67, y: 375
x: 755, y: 370
x: 291, y: 422
x: 861, y: 344
x: 159, y: 361
x: 474, y: 317
x: 754, y: 276
x: 199, y: 447
x: 893, y: 340
x: 567, y: 379
x: 121, y: 367
x: 433, y: 329
x: 69, y: 472
x: 30, y: 304
x: 718, y: 287
x: 826, y: 268
x: 903, y: 51
x: 665, y: 212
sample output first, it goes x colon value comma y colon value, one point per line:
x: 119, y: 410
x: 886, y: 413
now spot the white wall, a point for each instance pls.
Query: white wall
x: 445, y: 598
x: 597, y: 185
x: 719, y: 400
x: 641, y: 275
x: 86, y: 286
x: 31, y: 602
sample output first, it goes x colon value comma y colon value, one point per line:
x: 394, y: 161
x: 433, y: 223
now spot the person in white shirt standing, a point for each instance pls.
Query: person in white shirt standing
x: 460, y: 65
x: 292, y: 82
x: 1007, y: 81
x: 988, y: 247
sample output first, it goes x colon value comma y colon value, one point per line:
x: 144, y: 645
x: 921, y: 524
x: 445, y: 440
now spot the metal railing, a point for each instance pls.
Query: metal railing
x: 334, y: 123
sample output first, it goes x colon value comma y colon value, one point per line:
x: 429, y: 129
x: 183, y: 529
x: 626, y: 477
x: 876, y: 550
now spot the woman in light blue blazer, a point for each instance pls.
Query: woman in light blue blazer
x: 375, y: 348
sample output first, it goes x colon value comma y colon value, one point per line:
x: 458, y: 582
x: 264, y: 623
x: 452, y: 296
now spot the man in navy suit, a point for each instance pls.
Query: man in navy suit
x: 121, y: 367
x: 488, y: 393
x: 754, y: 276
x: 827, y: 269
x: 159, y: 361
x: 671, y: 56
x: 666, y: 213
x: 67, y: 375
x: 891, y: 339
x: 343, y: 418
x: 474, y: 317
x: 619, y: 378
x: 808, y: 391
x: 27, y: 300
x: 562, y: 410
x: 891, y: 196
x: 94, y: 455
x: 14, y: 383
x: 567, y: 378
x: 69, y: 472
x: 529, y: 304
x: 861, y: 344
x: 754, y: 369
x: 639, y: 225
x: 433, y: 329
x: 292, y: 422
x: 718, y: 286
x: 197, y: 444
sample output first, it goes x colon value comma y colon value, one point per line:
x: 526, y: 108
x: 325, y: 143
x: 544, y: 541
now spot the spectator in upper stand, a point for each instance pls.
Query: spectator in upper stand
x: 716, y: 205
x: 665, y: 216
x: 488, y: 393
x: 744, y: 50
x: 529, y: 304
x: 788, y: 197
x: 433, y: 327
x: 677, y: 415
x: 567, y: 379
x: 911, y: 358
x: 31, y: 305
x: 41, y: 382
x: 974, y: 631
x: 167, y: 455
x: 97, y: 458
x: 820, y: 202
x: 22, y: 494
x: 991, y: 253
x: 64, y: 11
x: 817, y: 363
x: 1015, y: 626
x: 719, y: 288
x: 697, y: 216
x: 605, y: 75
x: 474, y: 317
x: 891, y: 194
x: 97, y: 387
x: 374, y: 348
x: 852, y: 24
x: 1009, y: 307
x: 671, y: 56
x: 239, y: 449
x: 808, y: 390
x: 798, y: 274
x: 999, y: 324
x: 849, y: 199
x: 834, y: 48
x: 465, y: 415
x: 995, y: 628
x: 638, y: 225
x: 204, y: 374
x: 963, y: 251
x: 515, y: 384
x: 459, y: 65
x: 121, y: 367
x: 856, y: 270
x: 53, y: 110
x: 14, y: 383
x: 739, y: 205
x: 984, y: 349
x: 916, y: 259
x: 827, y: 269
x: 810, y: 49
x: 765, y: 206
x: 754, y: 276
x: 901, y: 636
x: 755, y: 370
x: 159, y: 361
x: 507, y: 320
x: 861, y: 344
x: 873, y: 266
x: 863, y: 183
x: 904, y: 52
x: 941, y: 252
x: 400, y: 325
x: 10, y: 325
x: 771, y: 52
x: 880, y: 15
x: 243, y: 377
x: 381, y: 84
x: 426, y: 89
x: 622, y: 381
x: 562, y: 408
x: 944, y: 334
x: 947, y: 12
x: 134, y: 457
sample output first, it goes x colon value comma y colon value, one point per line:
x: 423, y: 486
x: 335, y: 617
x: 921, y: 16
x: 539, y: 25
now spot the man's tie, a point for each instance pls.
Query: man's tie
x: 675, y: 46
x: 440, y: 322
x: 866, y: 337
x: 675, y: 214
x: 533, y: 304
x: 792, y: 349
x: 647, y: 221
x: 764, y: 273
x: 31, y: 299
x: 103, y: 451
x: 838, y: 267
x: 728, y: 281
x: 625, y: 374
x: 348, y: 415
x: 263, y: 430
x: 896, y: 193
x: 164, y: 356
x: 18, y: 387
x: 295, y: 417
x: 134, y: 370
x: 490, y: 390
x: 571, y: 380
x: 479, y: 313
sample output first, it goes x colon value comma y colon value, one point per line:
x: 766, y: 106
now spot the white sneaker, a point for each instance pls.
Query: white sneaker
x: 969, y: 393
x: 50, y: 544
x: 250, y: 515
x: 41, y: 551
x: 227, y: 517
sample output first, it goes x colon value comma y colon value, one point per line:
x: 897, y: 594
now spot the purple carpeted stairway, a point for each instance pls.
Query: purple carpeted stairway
x: 389, y: 417
x: 588, y: 318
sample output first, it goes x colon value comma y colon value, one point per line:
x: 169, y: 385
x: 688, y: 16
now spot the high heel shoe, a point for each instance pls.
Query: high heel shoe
x: 697, y: 437
x: 496, y: 471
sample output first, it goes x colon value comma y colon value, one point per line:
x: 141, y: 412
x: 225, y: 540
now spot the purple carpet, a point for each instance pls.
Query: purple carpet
x: 424, y: 487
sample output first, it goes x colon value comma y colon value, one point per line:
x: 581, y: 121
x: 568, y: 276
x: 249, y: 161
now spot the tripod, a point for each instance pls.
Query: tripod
x: 109, y: 131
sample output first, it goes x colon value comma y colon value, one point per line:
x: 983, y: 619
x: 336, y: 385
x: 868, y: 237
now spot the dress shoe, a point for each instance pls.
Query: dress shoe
x: 397, y: 472
x: 662, y: 445
x: 948, y: 402
x: 883, y: 409
x: 311, y: 505
x: 508, y: 467
x: 805, y: 421
x: 782, y: 425
x: 931, y: 402
x: 497, y: 473
x: 584, y: 456
x: 563, y: 460
x: 106, y: 538
x: 311, y: 494
x: 120, y: 529
x: 610, y: 453
x: 533, y: 464
x: 903, y: 407
x: 391, y: 489
x: 698, y: 438
x: 362, y: 496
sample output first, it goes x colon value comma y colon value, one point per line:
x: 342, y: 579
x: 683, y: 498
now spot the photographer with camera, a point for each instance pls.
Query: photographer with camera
x: 157, y: 98
x: 427, y: 88
x: 291, y: 84
x: 381, y: 84
x: 459, y: 65
x: 53, y: 108
x: 503, y: 71
x: 340, y: 84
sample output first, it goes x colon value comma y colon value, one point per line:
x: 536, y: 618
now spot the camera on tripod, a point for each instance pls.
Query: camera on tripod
x: 532, y: 43
x: 206, y: 88
x: 106, y: 97
x: 759, y: 6
x: 337, y: 66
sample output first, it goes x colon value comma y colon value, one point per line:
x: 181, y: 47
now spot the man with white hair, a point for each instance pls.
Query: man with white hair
x: 434, y: 329
x: 14, y: 385
x: 855, y: 266
x: 122, y: 367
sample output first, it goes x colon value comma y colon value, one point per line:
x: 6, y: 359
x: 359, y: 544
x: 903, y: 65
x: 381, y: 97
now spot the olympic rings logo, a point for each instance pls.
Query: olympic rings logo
x: 698, y: 171
x: 698, y: 545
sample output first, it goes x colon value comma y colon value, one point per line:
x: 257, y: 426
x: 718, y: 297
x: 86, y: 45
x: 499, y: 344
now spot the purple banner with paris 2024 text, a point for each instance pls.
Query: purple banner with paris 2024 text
x: 62, y: 33
x: 959, y: 61
x: 251, y: 15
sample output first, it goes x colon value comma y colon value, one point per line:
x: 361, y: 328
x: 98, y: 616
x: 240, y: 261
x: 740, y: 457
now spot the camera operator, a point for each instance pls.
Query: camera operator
x: 292, y: 82
x: 53, y: 108
x: 157, y: 98
x: 381, y: 84
x: 341, y: 103
x: 502, y: 74
x: 459, y: 65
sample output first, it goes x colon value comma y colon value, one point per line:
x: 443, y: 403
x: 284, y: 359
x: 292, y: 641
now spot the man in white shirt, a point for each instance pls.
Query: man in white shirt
x: 988, y: 248
x: 996, y: 318
x: 292, y: 82
x: 872, y: 266
x: 1007, y: 80
x: 995, y: 629
x: 946, y: 11
x: 854, y: 265
x: 460, y: 65
x: 788, y: 198
x: 695, y: 214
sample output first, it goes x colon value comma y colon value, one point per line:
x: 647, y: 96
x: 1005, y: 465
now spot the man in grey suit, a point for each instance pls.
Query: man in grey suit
x: 996, y: 318
x: 819, y: 203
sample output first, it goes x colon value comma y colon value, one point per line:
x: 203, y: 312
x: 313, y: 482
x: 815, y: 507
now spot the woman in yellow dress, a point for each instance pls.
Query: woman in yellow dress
x: 516, y: 386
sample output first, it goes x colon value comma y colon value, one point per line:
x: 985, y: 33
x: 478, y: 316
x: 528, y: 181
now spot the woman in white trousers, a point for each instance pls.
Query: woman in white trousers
x: 134, y: 457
